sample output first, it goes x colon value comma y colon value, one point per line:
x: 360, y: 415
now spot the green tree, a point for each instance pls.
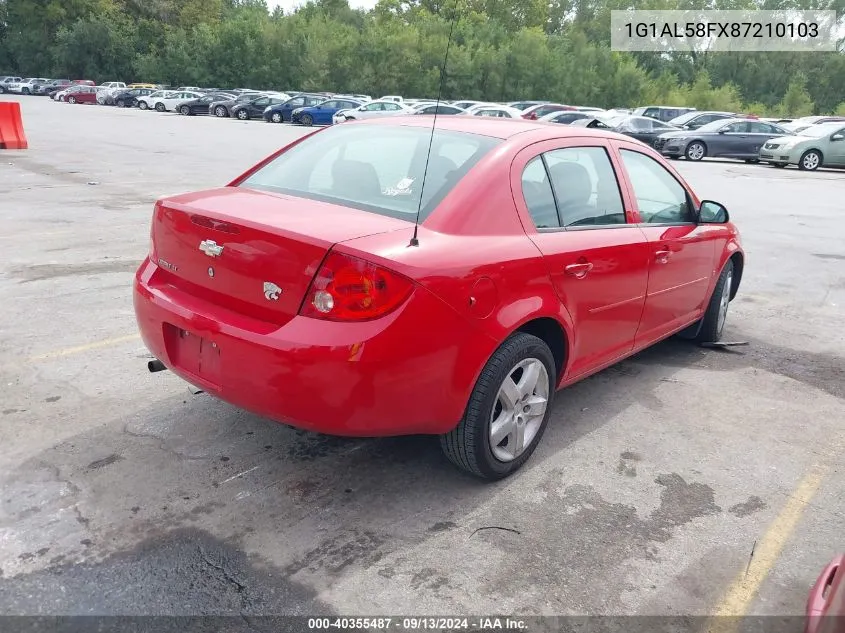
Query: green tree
x: 796, y: 102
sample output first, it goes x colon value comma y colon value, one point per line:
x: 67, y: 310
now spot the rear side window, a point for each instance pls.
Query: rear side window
x: 377, y: 169
x: 537, y: 191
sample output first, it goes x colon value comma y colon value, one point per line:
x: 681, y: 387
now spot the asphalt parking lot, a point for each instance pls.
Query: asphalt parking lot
x: 123, y: 493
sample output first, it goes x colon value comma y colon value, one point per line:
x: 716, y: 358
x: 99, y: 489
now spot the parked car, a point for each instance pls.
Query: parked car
x: 223, y: 107
x: 394, y: 98
x: 315, y: 288
x: 807, y: 121
x: 166, y: 100
x: 128, y: 97
x: 150, y: 86
x: 6, y: 81
x: 826, y: 602
x: 255, y: 109
x: 466, y: 104
x: 566, y: 117
x: 728, y: 138
x: 201, y: 105
x: 83, y: 82
x: 498, y: 112
x: 25, y: 86
x: 695, y: 119
x: 662, y: 113
x: 523, y: 105
x: 281, y: 112
x: 84, y: 94
x: 820, y: 145
x: 62, y: 93
x: 322, y: 113
x: 48, y: 87
x: 374, y: 109
x: 589, y: 109
x: 642, y: 128
x: 438, y: 109
x: 535, y: 112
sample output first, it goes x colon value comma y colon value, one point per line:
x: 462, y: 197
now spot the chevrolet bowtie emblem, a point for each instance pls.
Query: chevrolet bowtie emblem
x: 210, y: 248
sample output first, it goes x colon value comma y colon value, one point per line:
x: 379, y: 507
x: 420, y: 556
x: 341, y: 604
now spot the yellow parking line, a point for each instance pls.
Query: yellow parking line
x: 744, y: 588
x: 88, y: 346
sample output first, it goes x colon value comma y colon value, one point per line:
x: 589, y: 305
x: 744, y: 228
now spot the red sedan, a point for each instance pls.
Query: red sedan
x: 305, y: 291
x: 82, y: 94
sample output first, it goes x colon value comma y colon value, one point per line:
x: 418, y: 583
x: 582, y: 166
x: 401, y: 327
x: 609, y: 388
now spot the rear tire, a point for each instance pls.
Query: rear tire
x: 713, y: 321
x: 525, y: 411
x: 120, y: 103
x: 220, y: 111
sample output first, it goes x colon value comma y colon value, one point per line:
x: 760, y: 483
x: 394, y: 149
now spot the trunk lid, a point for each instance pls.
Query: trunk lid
x: 252, y: 252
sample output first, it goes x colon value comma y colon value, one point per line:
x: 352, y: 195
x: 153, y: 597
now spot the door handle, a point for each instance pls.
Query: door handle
x: 662, y: 256
x: 579, y: 271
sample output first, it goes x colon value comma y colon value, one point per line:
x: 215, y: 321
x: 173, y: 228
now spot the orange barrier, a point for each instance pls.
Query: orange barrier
x: 11, y: 126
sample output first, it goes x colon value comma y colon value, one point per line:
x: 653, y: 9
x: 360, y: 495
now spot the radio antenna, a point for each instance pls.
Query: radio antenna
x: 414, y: 240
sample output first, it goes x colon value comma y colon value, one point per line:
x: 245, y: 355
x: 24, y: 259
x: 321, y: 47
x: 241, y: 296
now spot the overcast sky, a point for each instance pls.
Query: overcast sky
x: 288, y: 5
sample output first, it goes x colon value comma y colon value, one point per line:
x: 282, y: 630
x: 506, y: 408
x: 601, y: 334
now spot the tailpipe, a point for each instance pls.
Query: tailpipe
x: 156, y: 365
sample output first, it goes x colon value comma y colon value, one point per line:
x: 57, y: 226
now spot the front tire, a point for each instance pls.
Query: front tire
x: 242, y: 115
x: 143, y: 105
x: 220, y: 111
x: 811, y: 160
x: 307, y: 120
x: 71, y: 99
x: 276, y: 117
x: 185, y: 111
x: 507, y: 411
x: 160, y: 107
x: 696, y: 151
x: 713, y: 321
x: 120, y: 103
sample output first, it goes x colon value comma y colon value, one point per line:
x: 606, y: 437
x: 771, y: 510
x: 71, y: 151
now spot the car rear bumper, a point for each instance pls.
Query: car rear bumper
x: 397, y: 375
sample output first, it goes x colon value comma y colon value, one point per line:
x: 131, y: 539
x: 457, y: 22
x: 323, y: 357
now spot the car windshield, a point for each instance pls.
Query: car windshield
x: 714, y: 126
x: 684, y: 118
x: 818, y: 131
x: 375, y: 168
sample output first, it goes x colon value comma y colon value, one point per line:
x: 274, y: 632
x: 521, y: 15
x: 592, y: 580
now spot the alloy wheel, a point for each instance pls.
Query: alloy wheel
x: 519, y: 409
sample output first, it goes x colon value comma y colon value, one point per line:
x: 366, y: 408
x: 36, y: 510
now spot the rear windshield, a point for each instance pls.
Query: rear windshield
x: 375, y: 168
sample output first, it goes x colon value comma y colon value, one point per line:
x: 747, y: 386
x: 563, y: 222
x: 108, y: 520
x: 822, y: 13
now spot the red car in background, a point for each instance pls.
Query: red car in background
x: 535, y: 112
x: 307, y: 292
x: 83, y: 94
x: 826, y: 604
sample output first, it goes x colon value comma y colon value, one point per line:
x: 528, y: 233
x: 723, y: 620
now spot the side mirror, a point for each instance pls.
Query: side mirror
x: 723, y: 131
x: 837, y: 137
x: 712, y: 213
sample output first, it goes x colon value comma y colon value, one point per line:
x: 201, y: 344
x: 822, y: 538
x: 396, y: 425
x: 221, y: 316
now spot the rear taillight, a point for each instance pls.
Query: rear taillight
x: 351, y: 289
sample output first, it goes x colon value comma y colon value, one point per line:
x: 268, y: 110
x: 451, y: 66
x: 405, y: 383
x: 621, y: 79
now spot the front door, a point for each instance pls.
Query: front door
x: 596, y: 259
x: 836, y: 149
x: 681, y: 253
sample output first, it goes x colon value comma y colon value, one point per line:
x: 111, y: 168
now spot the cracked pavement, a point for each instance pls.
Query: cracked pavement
x: 122, y: 493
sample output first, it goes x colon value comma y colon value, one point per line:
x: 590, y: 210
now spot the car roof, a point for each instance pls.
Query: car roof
x: 494, y: 127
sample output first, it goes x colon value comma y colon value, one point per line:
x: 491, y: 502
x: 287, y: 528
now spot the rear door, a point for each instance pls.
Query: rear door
x: 681, y: 253
x: 572, y: 208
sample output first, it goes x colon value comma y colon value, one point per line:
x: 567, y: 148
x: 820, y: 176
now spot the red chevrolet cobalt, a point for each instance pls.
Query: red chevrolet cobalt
x: 376, y: 279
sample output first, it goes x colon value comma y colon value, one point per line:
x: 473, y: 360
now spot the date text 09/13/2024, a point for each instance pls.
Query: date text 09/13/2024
x: 418, y: 624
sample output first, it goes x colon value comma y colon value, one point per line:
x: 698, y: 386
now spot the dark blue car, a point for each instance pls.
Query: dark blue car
x: 281, y: 112
x: 322, y: 113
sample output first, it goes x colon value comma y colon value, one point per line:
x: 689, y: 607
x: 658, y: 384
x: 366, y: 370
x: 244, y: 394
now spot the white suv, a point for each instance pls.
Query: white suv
x: 5, y: 82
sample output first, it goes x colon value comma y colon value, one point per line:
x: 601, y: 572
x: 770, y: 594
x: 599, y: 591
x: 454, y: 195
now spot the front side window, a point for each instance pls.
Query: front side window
x: 375, y: 169
x: 661, y: 199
